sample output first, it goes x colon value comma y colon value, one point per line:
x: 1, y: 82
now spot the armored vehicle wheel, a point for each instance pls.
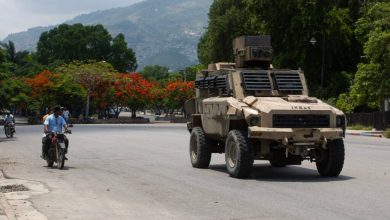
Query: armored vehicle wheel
x: 200, y: 149
x: 238, y: 154
x: 332, y: 160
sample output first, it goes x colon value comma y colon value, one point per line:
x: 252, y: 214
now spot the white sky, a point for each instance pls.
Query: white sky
x: 20, y: 15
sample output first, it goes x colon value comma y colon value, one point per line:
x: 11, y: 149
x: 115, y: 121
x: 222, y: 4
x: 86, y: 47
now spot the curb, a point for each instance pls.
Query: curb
x: 365, y: 134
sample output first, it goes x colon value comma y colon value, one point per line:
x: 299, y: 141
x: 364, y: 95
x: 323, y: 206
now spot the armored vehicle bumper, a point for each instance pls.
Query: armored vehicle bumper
x: 296, y: 135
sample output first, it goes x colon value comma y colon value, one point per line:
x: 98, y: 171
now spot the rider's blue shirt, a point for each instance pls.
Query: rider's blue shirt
x: 55, y: 124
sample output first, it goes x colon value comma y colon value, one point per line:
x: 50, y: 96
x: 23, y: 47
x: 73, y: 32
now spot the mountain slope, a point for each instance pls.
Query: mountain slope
x: 164, y: 32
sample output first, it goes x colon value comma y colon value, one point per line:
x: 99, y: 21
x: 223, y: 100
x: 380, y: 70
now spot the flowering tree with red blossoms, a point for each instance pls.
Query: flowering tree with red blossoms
x: 42, y: 88
x: 177, y: 93
x: 133, y: 91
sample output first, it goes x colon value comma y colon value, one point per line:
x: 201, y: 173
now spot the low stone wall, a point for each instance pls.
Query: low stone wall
x: 113, y: 121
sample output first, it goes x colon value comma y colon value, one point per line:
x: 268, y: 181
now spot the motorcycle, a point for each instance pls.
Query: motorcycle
x: 9, y: 130
x: 56, y: 152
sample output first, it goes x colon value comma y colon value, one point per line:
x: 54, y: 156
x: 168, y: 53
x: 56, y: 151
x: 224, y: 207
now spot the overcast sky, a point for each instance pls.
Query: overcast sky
x: 19, y: 15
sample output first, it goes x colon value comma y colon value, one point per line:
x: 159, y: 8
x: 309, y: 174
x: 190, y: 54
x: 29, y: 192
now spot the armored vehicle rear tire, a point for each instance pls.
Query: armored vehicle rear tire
x: 332, y: 160
x: 200, y: 149
x: 238, y: 154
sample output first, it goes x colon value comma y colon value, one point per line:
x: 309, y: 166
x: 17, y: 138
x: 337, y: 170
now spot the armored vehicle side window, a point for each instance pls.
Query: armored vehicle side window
x: 256, y: 81
x: 288, y: 82
x: 222, y: 83
x: 216, y: 85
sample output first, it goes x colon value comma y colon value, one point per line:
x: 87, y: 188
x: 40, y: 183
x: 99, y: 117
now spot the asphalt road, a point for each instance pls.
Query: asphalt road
x: 144, y: 172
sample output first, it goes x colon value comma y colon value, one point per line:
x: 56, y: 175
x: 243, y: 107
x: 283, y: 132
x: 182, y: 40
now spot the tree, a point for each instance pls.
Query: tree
x: 371, y: 85
x: 178, y: 92
x: 227, y: 20
x: 291, y: 24
x: 14, y: 93
x: 10, y: 51
x: 155, y: 73
x: 91, y: 76
x: 133, y: 91
x: 191, y: 71
x: 121, y: 57
x: 42, y: 90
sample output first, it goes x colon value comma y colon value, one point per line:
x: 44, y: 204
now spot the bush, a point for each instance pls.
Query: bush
x: 360, y: 127
x: 387, y: 133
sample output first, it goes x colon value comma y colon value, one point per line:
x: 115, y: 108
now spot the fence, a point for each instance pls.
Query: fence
x: 378, y: 120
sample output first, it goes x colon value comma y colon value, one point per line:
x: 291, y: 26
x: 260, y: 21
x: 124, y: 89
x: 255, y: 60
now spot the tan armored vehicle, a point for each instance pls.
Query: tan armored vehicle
x: 250, y: 111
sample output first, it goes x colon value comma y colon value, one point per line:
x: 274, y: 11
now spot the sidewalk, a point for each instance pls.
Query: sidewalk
x: 20, y: 120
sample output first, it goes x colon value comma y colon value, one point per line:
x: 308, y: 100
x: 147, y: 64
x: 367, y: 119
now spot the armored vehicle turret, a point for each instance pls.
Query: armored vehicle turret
x: 250, y: 111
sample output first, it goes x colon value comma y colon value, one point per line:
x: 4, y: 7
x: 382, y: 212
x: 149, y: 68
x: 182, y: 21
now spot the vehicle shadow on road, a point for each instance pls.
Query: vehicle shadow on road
x: 5, y: 139
x: 66, y: 168
x: 265, y: 172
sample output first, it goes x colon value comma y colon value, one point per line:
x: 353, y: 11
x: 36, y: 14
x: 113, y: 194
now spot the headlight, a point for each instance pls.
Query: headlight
x: 340, y: 121
x: 255, y: 121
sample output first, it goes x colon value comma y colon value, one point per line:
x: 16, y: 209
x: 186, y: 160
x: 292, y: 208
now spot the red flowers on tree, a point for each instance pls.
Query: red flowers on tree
x: 42, y: 86
x: 133, y: 91
x: 178, y: 92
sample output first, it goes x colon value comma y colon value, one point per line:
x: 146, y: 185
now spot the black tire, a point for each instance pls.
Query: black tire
x: 332, y: 161
x: 50, y: 163
x: 200, y: 149
x: 7, y: 131
x: 61, y: 159
x: 238, y: 154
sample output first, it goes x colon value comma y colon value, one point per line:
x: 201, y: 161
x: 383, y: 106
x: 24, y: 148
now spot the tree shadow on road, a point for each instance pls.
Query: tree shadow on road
x: 265, y: 172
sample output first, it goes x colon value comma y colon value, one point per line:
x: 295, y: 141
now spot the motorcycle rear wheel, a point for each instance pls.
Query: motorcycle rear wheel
x: 50, y: 163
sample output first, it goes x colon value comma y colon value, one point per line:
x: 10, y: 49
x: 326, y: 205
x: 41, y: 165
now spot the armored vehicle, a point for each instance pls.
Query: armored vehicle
x: 250, y: 111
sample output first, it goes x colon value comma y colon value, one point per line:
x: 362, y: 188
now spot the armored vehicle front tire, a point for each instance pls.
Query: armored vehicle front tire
x: 238, y: 154
x: 200, y: 149
x: 332, y: 159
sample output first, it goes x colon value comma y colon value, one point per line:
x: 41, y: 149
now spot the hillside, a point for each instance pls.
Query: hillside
x: 164, y: 32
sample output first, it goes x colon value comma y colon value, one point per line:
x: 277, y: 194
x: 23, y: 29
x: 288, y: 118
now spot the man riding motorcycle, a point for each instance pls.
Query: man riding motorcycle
x: 53, y: 123
x: 9, y: 120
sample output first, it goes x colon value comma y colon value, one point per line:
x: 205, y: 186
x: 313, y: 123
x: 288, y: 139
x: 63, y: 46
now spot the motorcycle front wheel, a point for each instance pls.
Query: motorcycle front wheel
x: 7, y: 131
x: 60, y: 158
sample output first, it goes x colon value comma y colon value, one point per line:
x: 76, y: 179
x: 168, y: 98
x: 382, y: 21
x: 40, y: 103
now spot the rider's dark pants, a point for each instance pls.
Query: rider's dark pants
x: 46, y: 144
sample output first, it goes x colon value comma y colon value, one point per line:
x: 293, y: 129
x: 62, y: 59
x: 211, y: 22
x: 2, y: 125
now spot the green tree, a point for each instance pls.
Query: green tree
x: 191, y: 71
x: 74, y: 42
x: 14, y: 93
x: 155, y: 73
x: 291, y: 24
x: 92, y: 76
x: 121, y: 57
x: 10, y: 51
x: 371, y: 85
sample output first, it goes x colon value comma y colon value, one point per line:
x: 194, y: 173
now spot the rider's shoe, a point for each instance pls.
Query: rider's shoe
x: 65, y: 158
